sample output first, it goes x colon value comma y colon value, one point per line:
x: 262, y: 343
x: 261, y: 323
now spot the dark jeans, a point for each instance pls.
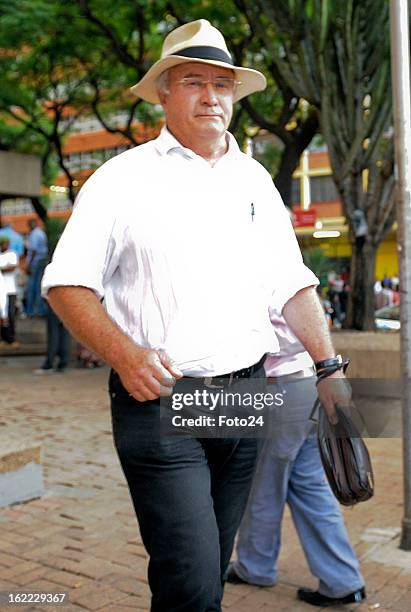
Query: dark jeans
x: 35, y: 304
x: 58, y: 342
x: 189, y: 495
x: 8, y: 332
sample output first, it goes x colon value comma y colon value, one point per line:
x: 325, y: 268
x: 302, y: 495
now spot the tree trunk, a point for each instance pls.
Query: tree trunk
x: 39, y: 209
x: 290, y: 158
x: 284, y: 178
x: 361, y: 304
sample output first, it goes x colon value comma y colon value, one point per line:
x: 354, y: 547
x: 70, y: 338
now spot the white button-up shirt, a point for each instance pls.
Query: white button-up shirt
x: 8, y: 259
x: 187, y: 256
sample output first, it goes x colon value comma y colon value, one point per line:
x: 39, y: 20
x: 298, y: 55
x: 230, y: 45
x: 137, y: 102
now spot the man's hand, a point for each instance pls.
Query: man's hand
x: 8, y: 269
x: 334, y: 390
x: 145, y: 373
x: 149, y: 374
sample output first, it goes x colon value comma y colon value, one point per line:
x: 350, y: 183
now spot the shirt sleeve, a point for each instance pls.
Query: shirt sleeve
x: 8, y: 259
x: 87, y: 251
x: 41, y: 244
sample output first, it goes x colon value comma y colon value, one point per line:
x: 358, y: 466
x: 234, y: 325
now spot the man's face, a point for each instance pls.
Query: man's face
x: 198, y: 114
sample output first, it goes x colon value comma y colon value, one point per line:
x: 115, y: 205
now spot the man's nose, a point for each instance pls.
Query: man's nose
x: 208, y: 94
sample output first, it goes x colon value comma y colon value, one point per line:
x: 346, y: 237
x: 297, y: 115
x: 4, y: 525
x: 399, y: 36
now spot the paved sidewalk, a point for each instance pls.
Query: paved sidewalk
x: 31, y: 336
x: 82, y: 538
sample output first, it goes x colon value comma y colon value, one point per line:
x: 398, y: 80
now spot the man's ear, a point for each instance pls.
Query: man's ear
x: 163, y: 97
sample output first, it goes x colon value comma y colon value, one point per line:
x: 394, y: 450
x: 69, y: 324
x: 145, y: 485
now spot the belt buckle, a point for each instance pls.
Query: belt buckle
x: 208, y: 383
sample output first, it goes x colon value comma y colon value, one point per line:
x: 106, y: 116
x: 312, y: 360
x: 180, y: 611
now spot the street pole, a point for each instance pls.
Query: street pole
x: 400, y: 50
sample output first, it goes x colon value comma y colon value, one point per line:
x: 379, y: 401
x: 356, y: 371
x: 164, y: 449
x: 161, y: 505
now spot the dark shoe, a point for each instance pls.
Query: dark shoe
x: 317, y: 599
x: 232, y: 577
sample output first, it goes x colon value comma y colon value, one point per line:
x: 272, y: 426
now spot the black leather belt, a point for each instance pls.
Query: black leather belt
x: 225, y: 380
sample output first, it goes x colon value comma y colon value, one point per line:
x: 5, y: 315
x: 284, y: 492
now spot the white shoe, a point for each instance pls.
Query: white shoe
x: 41, y: 371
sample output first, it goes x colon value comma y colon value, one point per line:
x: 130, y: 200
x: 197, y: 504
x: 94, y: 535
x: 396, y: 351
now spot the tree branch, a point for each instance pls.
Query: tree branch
x: 119, y: 48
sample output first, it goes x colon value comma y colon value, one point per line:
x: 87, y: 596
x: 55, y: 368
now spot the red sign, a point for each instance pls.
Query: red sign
x: 304, y: 218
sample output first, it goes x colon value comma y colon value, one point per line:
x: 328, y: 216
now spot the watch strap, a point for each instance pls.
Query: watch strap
x: 332, y: 362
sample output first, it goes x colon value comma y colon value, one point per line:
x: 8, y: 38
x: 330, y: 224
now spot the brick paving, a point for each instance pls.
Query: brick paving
x: 81, y: 538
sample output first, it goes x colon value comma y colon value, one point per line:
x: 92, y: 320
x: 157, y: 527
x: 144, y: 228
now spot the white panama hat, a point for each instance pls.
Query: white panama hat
x: 197, y: 41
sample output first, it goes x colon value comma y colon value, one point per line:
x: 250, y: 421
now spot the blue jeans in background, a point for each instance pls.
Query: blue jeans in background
x: 290, y: 472
x: 58, y: 342
x: 35, y: 305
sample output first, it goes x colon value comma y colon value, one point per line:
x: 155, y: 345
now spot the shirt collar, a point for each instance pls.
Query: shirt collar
x: 166, y: 144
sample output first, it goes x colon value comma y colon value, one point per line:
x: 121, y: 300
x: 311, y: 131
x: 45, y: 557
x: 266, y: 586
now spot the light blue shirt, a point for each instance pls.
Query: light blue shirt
x: 16, y: 240
x: 37, y: 246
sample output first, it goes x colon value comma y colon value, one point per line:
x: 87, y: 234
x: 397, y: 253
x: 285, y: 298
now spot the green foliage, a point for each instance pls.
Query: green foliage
x: 270, y: 158
x: 318, y: 262
x: 82, y: 56
x: 54, y: 227
x: 336, y: 56
x: 61, y: 59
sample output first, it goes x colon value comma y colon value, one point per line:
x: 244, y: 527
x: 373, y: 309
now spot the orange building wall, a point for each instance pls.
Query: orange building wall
x: 318, y: 159
x: 330, y: 208
x: 92, y: 141
x: 20, y: 222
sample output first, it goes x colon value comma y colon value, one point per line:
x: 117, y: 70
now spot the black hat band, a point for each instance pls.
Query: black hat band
x: 206, y: 53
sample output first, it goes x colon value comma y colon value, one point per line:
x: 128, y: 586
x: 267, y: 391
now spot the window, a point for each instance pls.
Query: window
x: 323, y: 189
x: 295, y: 191
x: 91, y: 160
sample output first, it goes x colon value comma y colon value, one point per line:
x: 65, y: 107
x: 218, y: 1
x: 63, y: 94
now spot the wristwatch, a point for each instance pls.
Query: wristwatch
x: 332, y: 362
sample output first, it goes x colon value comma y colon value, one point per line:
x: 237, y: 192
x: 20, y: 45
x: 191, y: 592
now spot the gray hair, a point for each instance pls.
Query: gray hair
x: 163, y: 82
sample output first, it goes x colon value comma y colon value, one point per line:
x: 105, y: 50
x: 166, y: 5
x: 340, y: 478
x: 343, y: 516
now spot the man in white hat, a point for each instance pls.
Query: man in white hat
x: 190, y: 244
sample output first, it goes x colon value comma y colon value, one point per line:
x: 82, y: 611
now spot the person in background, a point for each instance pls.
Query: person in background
x: 378, y: 297
x: 8, y: 268
x: 86, y: 358
x: 326, y: 304
x: 3, y: 301
x: 395, y: 287
x: 37, y: 254
x: 16, y: 239
x: 58, y: 338
x: 21, y: 300
x: 336, y: 288
x: 58, y: 346
x: 290, y: 472
x: 387, y: 292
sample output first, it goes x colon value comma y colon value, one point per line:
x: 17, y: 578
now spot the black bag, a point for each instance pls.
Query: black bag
x: 345, y: 458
